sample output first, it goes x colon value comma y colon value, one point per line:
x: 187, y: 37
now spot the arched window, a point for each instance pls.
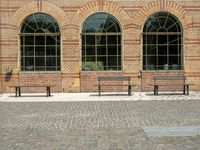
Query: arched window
x: 162, y: 43
x: 101, y: 43
x: 40, y: 43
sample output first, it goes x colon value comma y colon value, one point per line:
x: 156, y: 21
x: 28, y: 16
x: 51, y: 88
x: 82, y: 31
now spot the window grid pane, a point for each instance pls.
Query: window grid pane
x: 39, y: 39
x: 162, y: 48
x: 101, y: 43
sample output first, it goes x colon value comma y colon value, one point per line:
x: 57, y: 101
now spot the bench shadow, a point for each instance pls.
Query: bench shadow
x: 164, y: 94
x: 117, y: 94
x: 30, y: 96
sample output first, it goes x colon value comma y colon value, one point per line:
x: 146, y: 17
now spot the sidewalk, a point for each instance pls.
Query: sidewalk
x: 122, y: 96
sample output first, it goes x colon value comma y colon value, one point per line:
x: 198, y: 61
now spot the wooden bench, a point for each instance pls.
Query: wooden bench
x: 18, y: 89
x: 114, y: 78
x: 179, y: 81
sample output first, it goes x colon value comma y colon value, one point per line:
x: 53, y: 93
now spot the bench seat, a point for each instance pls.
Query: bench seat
x: 18, y: 89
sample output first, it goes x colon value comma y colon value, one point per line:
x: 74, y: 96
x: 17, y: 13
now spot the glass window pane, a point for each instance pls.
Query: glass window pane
x: 21, y: 51
x: 151, y: 50
x: 101, y: 63
x: 112, y: 28
x: 32, y: 23
x: 57, y: 29
x: 90, y: 59
x: 50, y: 61
x: 101, y: 50
x: 90, y: 40
x: 112, y: 39
x: 173, y: 39
x: 58, y: 40
x: 173, y: 60
x: 162, y: 63
x: 29, y: 51
x: 51, y: 51
x: 101, y: 40
x: 144, y: 62
x: 83, y: 40
x: 51, y: 40
x: 151, y: 62
x: 40, y: 18
x: 90, y: 64
x: 58, y: 62
x: 90, y: 50
x: 83, y: 51
x: 162, y: 50
x: 88, y: 29
x: 119, y: 40
x: 39, y: 63
x: 162, y: 39
x: 173, y: 50
x: 22, y: 63
x: 40, y: 51
x: 162, y: 20
x: 58, y: 51
x: 144, y: 49
x: 144, y: 39
x: 112, y: 50
x: 51, y: 29
x: 39, y: 40
x: 29, y: 40
x: 151, y: 39
x: 112, y: 61
x: 119, y: 50
x: 29, y: 63
x: 119, y: 61
x: 21, y: 40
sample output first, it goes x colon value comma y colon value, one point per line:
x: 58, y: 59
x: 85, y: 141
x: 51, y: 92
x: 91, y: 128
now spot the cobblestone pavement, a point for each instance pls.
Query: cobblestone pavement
x: 97, y: 125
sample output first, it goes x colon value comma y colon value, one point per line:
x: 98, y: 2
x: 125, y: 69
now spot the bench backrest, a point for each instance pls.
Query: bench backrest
x: 126, y: 78
x: 169, y: 78
x: 172, y: 79
x: 115, y: 78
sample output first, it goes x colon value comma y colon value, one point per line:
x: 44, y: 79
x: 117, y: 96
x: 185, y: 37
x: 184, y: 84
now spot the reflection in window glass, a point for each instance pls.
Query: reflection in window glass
x: 162, y: 43
x: 40, y: 43
x: 101, y: 43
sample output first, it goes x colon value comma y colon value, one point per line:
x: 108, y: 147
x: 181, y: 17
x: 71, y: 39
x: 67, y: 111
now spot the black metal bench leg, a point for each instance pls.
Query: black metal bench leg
x: 184, y: 89
x: 19, y: 89
x: 99, y: 87
x: 187, y: 89
x: 129, y: 90
x: 16, y: 91
x: 155, y: 89
x: 48, y: 91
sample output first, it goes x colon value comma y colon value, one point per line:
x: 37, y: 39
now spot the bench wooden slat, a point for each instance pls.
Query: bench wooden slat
x: 114, y: 78
x: 169, y: 78
x: 116, y: 85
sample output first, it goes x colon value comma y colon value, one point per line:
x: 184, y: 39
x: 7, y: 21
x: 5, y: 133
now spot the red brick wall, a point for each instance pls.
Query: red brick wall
x: 70, y: 15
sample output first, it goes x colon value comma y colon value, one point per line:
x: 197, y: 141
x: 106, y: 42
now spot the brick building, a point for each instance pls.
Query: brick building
x: 71, y: 42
